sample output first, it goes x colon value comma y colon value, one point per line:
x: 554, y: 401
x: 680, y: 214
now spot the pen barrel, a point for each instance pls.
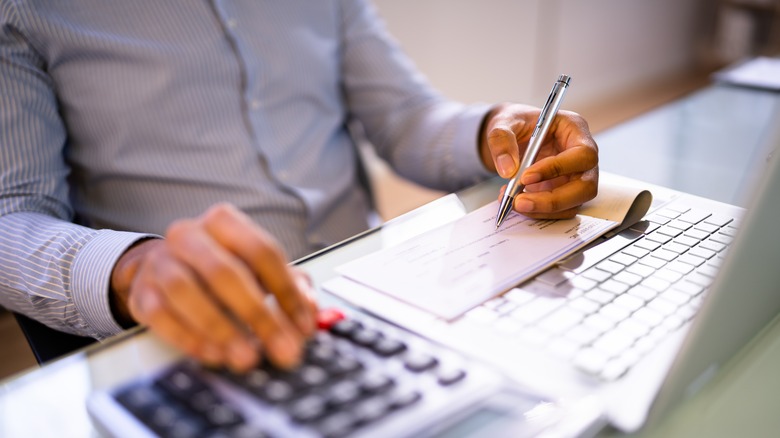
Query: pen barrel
x: 546, y: 118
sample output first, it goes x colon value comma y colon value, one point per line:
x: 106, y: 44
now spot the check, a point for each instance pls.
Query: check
x: 450, y: 269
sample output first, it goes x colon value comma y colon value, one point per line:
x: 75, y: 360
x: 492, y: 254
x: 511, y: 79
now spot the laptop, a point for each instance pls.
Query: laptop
x: 635, y: 323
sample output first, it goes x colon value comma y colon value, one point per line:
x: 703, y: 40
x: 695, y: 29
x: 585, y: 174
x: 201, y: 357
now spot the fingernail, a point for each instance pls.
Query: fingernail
x: 524, y: 205
x: 531, y: 178
x: 505, y: 165
x: 304, y: 321
x: 241, y: 355
x: 211, y: 354
x: 284, y: 349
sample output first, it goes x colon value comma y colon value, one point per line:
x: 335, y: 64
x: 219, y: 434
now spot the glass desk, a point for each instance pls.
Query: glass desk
x: 687, y: 145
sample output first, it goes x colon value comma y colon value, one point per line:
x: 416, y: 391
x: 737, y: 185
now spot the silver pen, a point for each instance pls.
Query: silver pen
x: 546, y: 117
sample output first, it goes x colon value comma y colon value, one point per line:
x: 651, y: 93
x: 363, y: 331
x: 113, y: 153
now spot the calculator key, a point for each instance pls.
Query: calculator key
x: 448, y: 376
x: 387, y: 347
x: 375, y: 383
x: 419, y: 362
x: 366, y: 337
x: 309, y: 408
x: 404, y: 398
x: 345, y: 327
x: 327, y: 318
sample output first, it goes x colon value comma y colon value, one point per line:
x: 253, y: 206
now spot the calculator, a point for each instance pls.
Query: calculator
x: 359, y: 377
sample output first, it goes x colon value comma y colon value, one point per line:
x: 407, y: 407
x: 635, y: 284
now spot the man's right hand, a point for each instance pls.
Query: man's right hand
x: 205, y: 289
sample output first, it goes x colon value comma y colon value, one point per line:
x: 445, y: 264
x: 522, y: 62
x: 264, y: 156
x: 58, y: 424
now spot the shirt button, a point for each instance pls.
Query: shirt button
x: 232, y: 23
x: 254, y: 104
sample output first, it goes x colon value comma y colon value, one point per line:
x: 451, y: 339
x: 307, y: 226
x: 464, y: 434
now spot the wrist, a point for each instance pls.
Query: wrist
x: 122, y: 277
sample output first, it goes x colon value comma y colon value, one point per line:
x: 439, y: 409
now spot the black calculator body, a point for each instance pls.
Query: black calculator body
x: 360, y: 377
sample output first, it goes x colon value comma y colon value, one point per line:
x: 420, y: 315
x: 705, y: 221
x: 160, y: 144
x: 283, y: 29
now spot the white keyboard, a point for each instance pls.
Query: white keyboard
x: 604, y: 308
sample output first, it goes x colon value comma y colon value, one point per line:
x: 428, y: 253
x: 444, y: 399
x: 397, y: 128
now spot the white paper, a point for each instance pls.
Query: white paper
x: 450, y: 269
x: 761, y: 72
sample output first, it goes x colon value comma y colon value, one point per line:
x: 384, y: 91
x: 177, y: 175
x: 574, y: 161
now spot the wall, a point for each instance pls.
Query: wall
x: 496, y: 50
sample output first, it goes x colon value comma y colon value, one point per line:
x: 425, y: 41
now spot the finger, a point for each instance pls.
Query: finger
x: 575, y: 160
x: 561, y: 200
x: 201, y: 314
x: 260, y: 251
x: 504, y: 150
x: 147, y: 307
x: 231, y: 282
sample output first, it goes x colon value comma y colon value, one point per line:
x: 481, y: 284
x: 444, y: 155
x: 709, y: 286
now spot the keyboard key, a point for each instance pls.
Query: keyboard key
x: 658, y: 238
x: 662, y: 306
x: 668, y: 274
x: 666, y: 230
x: 688, y: 288
x: 686, y: 241
x: 702, y: 252
x: 610, y: 266
x: 636, y: 251
x: 519, y: 296
x: 718, y: 220
x: 692, y: 259
x: 613, y: 286
x: 614, y: 312
x: 680, y: 225
x: 712, y: 245
x: 561, y: 320
x: 582, y: 335
x: 643, y: 292
x: 600, y: 296
x: 599, y: 322
x: 629, y: 302
x: 554, y: 276
x: 676, y: 248
x: 653, y: 262
x: 648, y: 245
x: 623, y: 258
x: 629, y: 278
x: 648, y: 316
x: 664, y: 254
x: 614, y: 342
x: 536, y: 309
x: 640, y: 269
x: 679, y: 267
x: 584, y: 305
x: 596, y: 274
x: 655, y: 283
x: 696, y: 234
x: 591, y: 361
x: 694, y: 216
x: 707, y: 228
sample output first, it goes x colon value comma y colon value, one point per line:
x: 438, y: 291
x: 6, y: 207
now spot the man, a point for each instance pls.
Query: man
x: 221, y: 126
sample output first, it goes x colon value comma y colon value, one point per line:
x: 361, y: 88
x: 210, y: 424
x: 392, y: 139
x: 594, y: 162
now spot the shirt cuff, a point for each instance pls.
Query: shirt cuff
x: 91, y: 278
x: 466, y: 144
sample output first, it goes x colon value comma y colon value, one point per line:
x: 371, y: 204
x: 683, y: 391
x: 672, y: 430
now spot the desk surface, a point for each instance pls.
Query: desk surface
x: 50, y: 401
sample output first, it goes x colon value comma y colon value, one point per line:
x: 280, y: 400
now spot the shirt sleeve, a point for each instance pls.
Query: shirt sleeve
x: 51, y: 269
x: 424, y: 136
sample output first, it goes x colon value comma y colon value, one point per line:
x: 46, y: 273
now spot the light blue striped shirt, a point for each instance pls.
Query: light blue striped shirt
x: 118, y: 117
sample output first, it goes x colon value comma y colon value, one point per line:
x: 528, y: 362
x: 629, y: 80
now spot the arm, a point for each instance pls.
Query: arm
x: 50, y: 269
x: 425, y: 137
x: 447, y: 145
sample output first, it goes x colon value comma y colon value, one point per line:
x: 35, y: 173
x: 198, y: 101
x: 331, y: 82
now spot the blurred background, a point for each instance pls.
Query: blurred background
x: 625, y: 56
